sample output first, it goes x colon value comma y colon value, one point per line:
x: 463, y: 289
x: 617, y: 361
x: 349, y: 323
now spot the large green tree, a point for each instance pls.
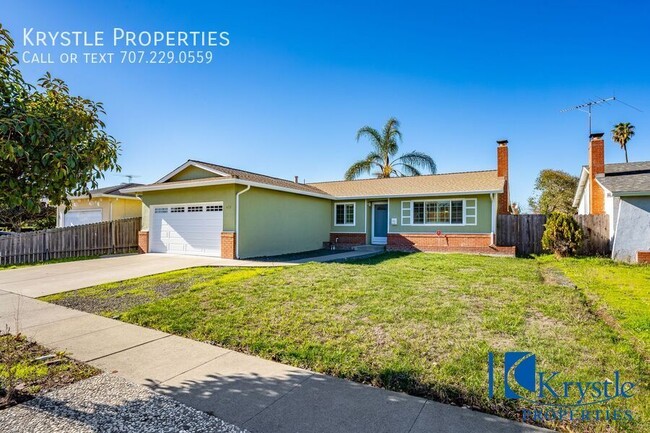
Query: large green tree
x: 381, y: 161
x: 52, y: 143
x: 554, y: 191
x: 622, y: 133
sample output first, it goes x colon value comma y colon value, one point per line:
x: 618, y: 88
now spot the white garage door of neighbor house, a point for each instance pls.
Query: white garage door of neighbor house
x: 80, y: 217
x: 187, y: 229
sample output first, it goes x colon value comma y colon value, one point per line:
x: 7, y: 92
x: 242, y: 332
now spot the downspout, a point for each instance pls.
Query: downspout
x: 493, y: 197
x: 237, y: 220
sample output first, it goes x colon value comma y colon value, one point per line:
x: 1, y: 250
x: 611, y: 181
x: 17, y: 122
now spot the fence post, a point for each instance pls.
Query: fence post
x: 112, y: 226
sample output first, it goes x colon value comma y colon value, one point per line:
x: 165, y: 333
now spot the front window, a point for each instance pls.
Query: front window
x: 438, y: 212
x: 344, y: 214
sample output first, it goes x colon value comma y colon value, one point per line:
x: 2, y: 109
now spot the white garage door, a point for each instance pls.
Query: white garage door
x: 80, y: 217
x: 187, y: 229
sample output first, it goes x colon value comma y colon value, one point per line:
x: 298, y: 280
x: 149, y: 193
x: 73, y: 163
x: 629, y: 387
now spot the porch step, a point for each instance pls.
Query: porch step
x: 369, y: 248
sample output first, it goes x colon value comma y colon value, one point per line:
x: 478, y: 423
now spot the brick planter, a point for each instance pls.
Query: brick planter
x: 463, y: 243
x: 347, y: 240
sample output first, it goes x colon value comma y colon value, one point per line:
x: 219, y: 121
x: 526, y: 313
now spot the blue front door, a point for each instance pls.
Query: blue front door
x: 379, y: 223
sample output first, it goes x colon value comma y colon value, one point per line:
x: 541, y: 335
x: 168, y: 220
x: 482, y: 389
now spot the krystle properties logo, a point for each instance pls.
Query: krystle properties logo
x: 570, y: 399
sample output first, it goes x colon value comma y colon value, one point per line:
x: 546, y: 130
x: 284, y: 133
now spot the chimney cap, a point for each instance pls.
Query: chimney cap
x: 502, y: 142
x: 596, y: 135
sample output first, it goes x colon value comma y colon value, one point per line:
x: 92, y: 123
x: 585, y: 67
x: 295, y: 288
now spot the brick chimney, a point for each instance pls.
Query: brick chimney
x: 596, y: 167
x: 503, y: 204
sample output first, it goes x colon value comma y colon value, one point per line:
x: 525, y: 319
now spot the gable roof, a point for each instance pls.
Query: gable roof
x: 434, y: 184
x: 112, y: 191
x: 475, y: 182
x: 621, y: 179
x: 259, y: 178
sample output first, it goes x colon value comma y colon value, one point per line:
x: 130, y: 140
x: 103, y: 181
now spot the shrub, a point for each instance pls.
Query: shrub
x: 562, y: 235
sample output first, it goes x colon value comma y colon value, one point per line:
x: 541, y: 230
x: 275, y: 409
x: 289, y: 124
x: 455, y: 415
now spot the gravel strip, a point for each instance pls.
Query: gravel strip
x: 107, y: 403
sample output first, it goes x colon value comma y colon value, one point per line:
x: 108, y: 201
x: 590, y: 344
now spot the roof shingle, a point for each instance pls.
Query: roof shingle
x: 260, y: 178
x: 449, y: 183
x: 627, y: 177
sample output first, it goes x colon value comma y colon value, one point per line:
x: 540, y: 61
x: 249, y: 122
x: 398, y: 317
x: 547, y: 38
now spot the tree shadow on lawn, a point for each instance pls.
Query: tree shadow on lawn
x: 376, y: 259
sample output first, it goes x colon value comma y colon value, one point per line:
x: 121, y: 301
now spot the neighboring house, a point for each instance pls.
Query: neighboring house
x: 103, y: 204
x: 622, y: 191
x: 209, y: 209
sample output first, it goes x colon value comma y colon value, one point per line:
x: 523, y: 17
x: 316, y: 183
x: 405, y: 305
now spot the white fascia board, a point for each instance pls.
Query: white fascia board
x: 230, y: 180
x: 94, y: 196
x: 178, y: 185
x: 284, y: 189
x: 209, y: 182
x: 584, y: 175
x: 631, y: 194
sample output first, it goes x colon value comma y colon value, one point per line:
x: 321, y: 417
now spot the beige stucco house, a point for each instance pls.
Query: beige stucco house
x: 103, y: 204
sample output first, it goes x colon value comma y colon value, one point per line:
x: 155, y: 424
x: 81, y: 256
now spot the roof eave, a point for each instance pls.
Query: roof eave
x: 630, y: 193
x: 101, y: 195
x: 178, y: 185
x: 222, y: 181
x: 422, y: 194
x: 581, y: 187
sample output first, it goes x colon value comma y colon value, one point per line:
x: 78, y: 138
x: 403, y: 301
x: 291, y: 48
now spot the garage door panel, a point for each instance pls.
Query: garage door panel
x: 184, y: 232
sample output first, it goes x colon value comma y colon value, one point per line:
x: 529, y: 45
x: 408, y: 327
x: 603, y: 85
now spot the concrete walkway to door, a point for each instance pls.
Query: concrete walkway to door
x: 259, y: 395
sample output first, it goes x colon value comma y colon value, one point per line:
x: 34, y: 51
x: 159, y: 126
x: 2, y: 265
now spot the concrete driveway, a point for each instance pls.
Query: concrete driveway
x: 48, y: 279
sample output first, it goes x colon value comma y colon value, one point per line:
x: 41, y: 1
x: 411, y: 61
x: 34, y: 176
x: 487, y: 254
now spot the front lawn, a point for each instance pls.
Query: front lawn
x: 419, y: 323
x: 620, y: 291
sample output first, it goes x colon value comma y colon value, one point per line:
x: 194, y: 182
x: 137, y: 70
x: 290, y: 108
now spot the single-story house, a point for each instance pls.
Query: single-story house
x: 622, y: 191
x: 208, y: 209
x: 102, y: 204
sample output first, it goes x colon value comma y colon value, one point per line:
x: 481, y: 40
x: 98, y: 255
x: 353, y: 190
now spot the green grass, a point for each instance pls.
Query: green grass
x: 618, y: 290
x: 419, y: 323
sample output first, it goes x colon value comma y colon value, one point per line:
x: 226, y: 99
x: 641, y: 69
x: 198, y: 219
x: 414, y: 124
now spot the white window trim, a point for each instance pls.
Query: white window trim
x: 466, y: 205
x: 354, y: 214
x: 406, y: 207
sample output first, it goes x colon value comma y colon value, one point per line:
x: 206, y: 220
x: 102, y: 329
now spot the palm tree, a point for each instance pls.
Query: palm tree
x: 622, y: 133
x: 381, y: 162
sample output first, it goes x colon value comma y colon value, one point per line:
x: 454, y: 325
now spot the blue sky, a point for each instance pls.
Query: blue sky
x: 287, y: 95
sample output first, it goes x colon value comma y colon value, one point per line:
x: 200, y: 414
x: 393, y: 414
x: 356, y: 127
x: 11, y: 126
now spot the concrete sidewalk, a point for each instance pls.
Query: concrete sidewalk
x: 257, y: 394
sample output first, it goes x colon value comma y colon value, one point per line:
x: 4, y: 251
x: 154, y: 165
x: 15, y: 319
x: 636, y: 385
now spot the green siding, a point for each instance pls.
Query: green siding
x: 358, y: 226
x: 483, y: 219
x: 191, y: 173
x: 223, y: 193
x: 274, y: 222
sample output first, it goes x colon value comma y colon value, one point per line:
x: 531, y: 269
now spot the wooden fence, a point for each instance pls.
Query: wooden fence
x: 108, y: 237
x: 525, y: 232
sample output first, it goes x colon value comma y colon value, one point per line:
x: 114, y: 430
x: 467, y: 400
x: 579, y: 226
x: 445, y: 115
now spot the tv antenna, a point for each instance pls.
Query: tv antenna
x: 586, y: 107
x: 129, y: 177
